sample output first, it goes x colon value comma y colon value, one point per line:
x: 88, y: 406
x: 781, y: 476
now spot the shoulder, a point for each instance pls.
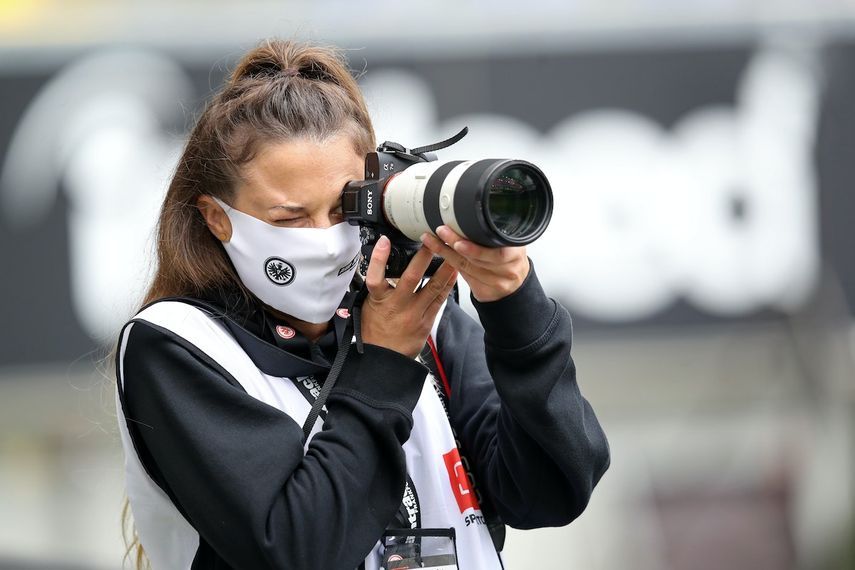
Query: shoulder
x: 178, y: 318
x: 177, y: 321
x: 179, y: 328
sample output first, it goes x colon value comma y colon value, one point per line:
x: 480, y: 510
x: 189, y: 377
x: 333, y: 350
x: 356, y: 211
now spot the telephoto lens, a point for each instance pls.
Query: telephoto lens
x: 492, y: 202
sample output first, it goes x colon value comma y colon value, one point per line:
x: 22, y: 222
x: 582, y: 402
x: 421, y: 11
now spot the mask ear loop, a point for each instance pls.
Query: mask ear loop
x: 352, y: 328
x: 222, y: 204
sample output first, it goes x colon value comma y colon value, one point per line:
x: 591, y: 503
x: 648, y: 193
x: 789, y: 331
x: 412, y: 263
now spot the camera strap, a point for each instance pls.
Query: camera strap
x: 417, y: 154
x: 441, y: 144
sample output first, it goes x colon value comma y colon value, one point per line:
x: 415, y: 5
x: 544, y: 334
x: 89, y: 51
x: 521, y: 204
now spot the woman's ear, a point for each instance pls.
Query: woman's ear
x: 215, y: 217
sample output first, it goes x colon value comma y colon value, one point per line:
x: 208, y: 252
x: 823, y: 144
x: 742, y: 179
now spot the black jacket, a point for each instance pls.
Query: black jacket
x: 235, y: 466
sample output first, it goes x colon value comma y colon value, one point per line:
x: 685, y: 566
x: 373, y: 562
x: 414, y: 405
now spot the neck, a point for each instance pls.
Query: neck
x: 312, y: 331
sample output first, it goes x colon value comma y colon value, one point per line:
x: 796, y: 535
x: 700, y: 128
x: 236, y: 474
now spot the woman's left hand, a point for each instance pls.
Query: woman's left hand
x: 492, y: 273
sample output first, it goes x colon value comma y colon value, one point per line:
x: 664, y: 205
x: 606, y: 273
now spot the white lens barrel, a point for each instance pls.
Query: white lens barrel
x: 404, y: 195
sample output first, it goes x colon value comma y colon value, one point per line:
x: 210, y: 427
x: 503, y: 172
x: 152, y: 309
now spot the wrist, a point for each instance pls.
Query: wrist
x: 518, y: 319
x: 505, y: 288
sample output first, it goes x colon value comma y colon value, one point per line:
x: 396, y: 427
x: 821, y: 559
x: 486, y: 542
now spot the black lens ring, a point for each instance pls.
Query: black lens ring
x: 472, y: 208
x: 542, y: 184
x: 433, y: 189
x: 469, y: 210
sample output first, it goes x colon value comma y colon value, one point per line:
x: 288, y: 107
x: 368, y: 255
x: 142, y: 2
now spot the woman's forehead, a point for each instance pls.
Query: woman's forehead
x: 299, y: 172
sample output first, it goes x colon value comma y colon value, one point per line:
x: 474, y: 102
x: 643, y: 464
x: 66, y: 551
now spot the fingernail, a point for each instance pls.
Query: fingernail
x: 423, y: 237
x: 441, y: 230
x: 383, y: 242
x: 459, y: 246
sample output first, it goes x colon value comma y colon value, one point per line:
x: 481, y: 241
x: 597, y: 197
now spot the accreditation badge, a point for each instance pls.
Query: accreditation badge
x: 425, y: 548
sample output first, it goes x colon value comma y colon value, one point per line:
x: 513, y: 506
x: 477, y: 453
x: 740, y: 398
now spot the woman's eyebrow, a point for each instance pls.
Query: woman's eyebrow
x: 289, y: 208
x: 295, y: 208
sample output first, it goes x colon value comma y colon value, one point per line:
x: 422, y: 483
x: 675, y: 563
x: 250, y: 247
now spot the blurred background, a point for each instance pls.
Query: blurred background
x: 702, y: 154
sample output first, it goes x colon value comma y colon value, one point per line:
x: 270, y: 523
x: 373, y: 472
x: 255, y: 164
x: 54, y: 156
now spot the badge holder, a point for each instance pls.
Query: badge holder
x: 427, y: 548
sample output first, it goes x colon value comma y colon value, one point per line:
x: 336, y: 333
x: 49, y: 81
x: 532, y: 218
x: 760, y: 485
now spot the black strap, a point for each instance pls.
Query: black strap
x: 445, y: 532
x: 353, y: 325
x: 357, y: 317
x: 332, y: 377
x: 310, y: 387
x: 442, y: 144
x: 410, y: 511
x: 418, y: 154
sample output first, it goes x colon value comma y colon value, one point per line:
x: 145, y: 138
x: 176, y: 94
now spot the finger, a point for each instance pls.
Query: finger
x: 448, y: 235
x: 439, y: 292
x: 472, y: 273
x: 438, y: 247
x: 415, y: 270
x: 375, y: 277
x: 435, y: 284
x: 442, y: 273
x: 461, y: 263
x: 487, y: 255
x: 476, y: 252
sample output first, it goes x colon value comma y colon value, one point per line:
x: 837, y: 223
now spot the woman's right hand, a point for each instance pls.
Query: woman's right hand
x: 400, y: 318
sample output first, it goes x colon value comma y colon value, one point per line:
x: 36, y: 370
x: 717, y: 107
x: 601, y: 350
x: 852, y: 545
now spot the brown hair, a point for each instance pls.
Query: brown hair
x: 281, y: 90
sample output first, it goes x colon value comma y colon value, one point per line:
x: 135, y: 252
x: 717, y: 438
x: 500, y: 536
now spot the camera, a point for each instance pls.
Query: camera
x: 405, y: 193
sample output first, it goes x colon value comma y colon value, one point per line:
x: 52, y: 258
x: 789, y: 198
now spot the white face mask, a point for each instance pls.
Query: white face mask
x: 303, y: 272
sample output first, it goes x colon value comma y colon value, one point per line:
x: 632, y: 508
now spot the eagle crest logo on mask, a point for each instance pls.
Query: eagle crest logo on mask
x: 279, y: 271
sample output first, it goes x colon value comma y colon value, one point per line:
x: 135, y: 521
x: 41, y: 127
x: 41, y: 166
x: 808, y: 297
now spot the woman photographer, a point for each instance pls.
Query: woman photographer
x: 255, y: 265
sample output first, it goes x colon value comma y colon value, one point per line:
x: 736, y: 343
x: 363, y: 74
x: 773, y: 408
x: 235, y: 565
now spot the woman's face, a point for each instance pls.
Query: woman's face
x: 292, y: 184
